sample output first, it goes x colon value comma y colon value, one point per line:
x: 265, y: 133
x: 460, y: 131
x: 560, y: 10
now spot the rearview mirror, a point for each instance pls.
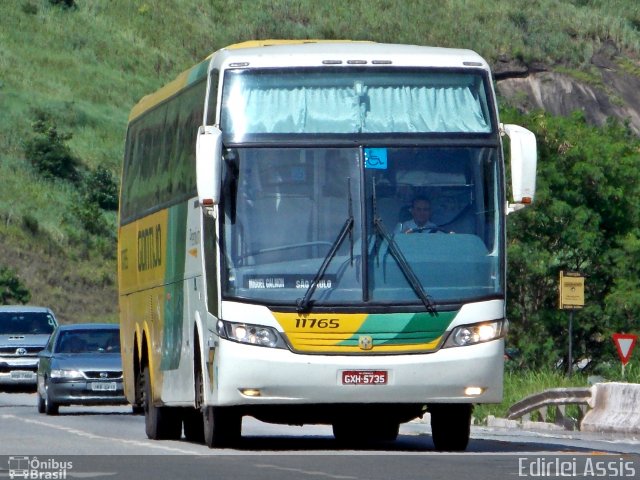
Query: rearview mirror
x: 208, y: 165
x: 524, y: 157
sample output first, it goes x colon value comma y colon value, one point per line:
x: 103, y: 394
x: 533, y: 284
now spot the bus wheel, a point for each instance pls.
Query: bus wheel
x: 451, y: 426
x: 193, y: 419
x: 222, y: 426
x: 193, y: 425
x: 160, y: 423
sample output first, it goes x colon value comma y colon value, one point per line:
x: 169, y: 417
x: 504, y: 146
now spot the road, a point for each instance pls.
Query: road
x: 109, y: 442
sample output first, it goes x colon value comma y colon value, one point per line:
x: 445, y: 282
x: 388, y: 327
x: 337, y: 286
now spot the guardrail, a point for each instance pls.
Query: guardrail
x: 557, y: 398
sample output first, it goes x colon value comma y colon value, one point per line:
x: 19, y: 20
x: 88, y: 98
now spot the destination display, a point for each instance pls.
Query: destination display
x: 287, y: 281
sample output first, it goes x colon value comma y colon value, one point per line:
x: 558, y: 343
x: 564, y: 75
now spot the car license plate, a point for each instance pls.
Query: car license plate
x: 22, y: 375
x: 104, y: 387
x: 365, y: 377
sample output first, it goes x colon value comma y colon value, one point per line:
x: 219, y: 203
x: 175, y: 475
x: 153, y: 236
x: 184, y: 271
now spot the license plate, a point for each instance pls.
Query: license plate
x: 104, y: 387
x: 365, y: 377
x: 22, y: 375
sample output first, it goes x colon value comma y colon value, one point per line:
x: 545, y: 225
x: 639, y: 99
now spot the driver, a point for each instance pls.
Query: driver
x: 421, y: 213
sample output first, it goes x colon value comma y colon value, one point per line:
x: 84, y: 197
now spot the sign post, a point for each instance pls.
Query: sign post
x: 624, y: 345
x: 571, y: 298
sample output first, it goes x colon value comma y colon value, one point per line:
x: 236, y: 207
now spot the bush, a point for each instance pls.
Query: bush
x: 30, y: 224
x: 101, y: 188
x: 30, y: 8
x: 12, y: 289
x: 48, y: 152
x: 64, y: 3
x: 91, y: 218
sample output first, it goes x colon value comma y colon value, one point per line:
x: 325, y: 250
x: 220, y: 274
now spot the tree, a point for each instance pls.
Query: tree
x: 12, y: 289
x: 586, y: 219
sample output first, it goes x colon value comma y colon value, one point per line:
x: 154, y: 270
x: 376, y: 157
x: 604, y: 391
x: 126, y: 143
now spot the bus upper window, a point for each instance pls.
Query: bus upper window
x: 347, y: 101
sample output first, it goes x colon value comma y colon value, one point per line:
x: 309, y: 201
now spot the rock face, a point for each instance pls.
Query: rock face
x: 613, y: 92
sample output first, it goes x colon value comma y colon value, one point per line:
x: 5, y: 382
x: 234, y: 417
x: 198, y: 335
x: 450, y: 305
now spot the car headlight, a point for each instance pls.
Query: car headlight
x: 477, y: 333
x: 250, y: 334
x: 68, y: 374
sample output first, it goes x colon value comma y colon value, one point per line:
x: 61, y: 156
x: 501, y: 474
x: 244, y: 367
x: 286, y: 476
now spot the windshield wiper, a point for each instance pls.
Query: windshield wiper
x: 396, y: 253
x: 304, y: 303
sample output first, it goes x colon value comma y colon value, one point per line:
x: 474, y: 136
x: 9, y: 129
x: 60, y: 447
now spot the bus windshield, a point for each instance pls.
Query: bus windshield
x: 353, y: 101
x: 286, y: 208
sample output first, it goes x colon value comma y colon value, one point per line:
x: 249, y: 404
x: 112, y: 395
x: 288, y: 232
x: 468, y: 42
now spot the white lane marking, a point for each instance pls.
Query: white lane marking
x: 307, y: 472
x: 82, y: 433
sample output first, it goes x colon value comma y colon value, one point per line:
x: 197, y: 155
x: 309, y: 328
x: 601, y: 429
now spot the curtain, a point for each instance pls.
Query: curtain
x: 432, y: 108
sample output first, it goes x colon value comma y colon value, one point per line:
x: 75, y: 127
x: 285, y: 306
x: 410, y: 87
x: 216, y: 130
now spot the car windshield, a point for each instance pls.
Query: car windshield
x: 26, y: 323
x: 342, y: 225
x: 89, y: 341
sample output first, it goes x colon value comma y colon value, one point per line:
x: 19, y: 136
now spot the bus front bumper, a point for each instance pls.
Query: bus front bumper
x: 252, y: 375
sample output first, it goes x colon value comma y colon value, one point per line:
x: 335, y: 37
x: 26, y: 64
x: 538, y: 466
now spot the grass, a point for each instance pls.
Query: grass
x: 520, y: 384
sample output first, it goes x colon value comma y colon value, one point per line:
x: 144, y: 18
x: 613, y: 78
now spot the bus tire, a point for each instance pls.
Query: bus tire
x: 222, y: 426
x: 160, y: 423
x: 193, y: 425
x: 451, y: 426
x: 193, y: 417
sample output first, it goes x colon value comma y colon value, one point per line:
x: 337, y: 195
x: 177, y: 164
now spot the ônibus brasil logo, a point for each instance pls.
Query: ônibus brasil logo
x: 34, y: 468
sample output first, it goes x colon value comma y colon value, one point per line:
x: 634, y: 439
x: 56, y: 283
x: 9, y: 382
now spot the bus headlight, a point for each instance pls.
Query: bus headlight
x: 251, y: 334
x: 476, y: 333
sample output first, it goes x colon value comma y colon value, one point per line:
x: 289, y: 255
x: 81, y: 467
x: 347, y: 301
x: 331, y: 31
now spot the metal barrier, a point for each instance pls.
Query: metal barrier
x: 557, y: 398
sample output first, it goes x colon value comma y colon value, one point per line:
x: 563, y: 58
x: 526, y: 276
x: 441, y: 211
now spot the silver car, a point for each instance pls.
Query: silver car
x: 81, y: 365
x: 24, y: 331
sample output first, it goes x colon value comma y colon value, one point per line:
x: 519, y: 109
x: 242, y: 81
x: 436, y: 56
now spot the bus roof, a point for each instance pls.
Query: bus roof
x: 307, y: 53
x: 322, y: 52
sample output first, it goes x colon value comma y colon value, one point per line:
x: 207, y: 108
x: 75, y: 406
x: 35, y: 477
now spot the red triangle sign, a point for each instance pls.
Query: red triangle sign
x: 624, y: 343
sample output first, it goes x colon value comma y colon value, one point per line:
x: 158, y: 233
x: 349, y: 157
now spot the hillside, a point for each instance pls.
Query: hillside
x: 86, y: 66
x: 608, y: 87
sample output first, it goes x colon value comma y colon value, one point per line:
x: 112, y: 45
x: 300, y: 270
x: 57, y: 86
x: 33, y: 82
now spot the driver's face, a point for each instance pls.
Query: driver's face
x: 421, y: 212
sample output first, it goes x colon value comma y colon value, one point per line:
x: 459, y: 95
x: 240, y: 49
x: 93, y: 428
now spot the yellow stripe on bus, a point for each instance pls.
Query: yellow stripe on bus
x: 143, y: 250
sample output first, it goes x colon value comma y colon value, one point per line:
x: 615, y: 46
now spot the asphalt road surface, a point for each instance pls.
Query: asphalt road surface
x: 109, y: 442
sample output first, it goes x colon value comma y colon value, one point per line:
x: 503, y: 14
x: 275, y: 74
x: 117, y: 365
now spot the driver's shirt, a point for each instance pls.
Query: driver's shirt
x: 410, y: 227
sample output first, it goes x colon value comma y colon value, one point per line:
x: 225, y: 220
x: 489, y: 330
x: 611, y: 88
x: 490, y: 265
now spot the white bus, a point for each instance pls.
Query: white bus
x: 264, y: 265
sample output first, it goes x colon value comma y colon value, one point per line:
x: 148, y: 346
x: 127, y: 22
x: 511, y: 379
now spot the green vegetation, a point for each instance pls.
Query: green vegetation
x: 70, y: 71
x: 586, y: 219
x: 519, y: 384
x: 12, y: 290
x: 48, y: 152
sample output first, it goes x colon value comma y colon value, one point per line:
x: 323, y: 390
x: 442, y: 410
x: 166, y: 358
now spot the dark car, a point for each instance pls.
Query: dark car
x: 81, y: 365
x: 24, y: 331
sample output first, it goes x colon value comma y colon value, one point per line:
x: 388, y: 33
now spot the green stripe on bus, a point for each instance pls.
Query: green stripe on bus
x: 176, y: 238
x: 402, y: 328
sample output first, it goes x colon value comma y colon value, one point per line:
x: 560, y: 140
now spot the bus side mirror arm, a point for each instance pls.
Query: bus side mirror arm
x: 524, y: 155
x: 209, y: 165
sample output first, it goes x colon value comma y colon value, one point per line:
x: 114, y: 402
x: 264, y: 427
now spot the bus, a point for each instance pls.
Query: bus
x: 262, y: 267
